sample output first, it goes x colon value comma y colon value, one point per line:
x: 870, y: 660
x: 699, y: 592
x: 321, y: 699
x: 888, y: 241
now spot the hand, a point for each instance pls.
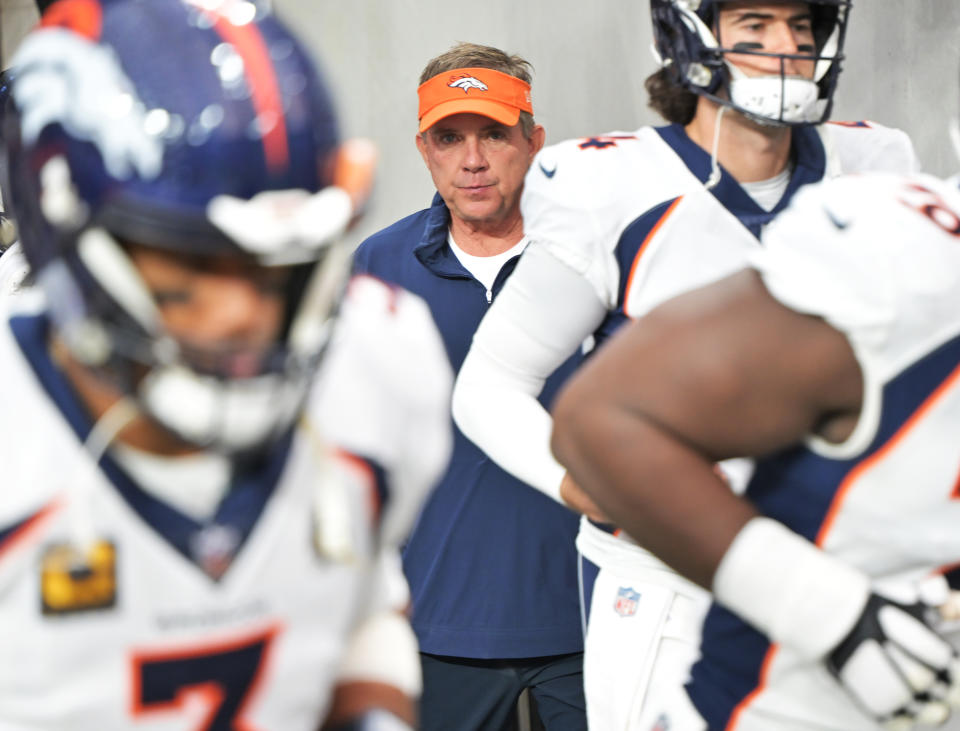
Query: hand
x: 577, y: 500
x: 897, y: 667
x: 881, y: 639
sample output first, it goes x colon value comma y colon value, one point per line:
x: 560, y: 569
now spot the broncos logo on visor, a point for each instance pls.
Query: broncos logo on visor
x: 468, y: 82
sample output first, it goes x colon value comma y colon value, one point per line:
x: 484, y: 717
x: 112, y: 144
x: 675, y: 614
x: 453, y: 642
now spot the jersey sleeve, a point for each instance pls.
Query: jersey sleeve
x: 383, y: 395
x: 382, y: 647
x: 863, y: 147
x: 572, y: 205
x: 542, y: 315
x: 875, y: 256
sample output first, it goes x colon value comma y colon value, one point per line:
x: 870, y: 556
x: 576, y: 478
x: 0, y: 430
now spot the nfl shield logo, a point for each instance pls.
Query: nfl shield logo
x: 626, y: 602
x: 662, y: 724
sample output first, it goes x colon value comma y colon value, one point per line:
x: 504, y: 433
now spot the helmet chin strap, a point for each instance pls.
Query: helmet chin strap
x: 715, y: 172
x: 84, y: 474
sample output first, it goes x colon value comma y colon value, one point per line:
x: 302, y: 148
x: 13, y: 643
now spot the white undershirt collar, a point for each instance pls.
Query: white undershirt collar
x: 485, y: 268
x: 194, y: 485
x: 767, y: 193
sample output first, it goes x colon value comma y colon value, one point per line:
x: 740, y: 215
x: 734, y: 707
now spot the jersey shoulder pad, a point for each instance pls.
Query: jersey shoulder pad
x: 586, y: 171
x: 869, y: 146
x: 35, y: 469
x: 875, y: 255
x: 383, y: 392
x: 393, y: 330
x: 581, y: 209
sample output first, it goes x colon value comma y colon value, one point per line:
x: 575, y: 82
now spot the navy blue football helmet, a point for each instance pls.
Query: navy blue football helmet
x: 685, y: 42
x: 193, y: 126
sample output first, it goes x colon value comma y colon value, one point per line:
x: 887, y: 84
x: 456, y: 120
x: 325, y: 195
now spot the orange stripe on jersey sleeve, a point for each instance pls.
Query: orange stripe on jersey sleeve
x: 955, y: 493
x: 857, y: 471
x: 29, y: 527
x: 264, y: 87
x: 364, y: 467
x: 834, y: 510
x: 643, y: 248
x: 863, y: 124
x: 761, y: 686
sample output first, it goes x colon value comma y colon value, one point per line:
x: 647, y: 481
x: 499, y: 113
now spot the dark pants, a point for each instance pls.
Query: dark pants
x: 462, y: 694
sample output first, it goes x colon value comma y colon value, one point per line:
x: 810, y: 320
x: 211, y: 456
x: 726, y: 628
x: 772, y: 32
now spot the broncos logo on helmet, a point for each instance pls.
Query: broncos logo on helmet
x: 83, y: 88
x: 198, y: 131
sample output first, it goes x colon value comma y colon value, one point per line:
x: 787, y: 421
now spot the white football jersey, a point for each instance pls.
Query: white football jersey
x: 878, y: 257
x: 161, y: 622
x: 629, y: 210
x: 618, y: 224
x: 630, y: 213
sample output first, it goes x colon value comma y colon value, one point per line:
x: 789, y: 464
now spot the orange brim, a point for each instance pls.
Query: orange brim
x: 493, y: 94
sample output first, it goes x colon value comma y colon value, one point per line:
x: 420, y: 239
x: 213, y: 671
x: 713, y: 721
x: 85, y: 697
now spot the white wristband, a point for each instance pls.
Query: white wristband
x: 380, y: 720
x: 787, y: 588
x: 384, y: 650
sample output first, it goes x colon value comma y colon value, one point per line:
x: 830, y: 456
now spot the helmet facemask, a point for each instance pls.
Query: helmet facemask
x: 686, y: 42
x: 230, y: 396
x: 185, y: 163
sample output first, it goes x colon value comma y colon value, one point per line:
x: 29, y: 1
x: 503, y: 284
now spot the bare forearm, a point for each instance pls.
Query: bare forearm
x: 656, y: 488
x: 539, y: 319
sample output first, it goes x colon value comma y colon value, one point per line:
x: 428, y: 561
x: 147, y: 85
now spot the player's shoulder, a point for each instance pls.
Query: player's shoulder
x: 383, y: 392
x: 615, y: 144
x: 597, y: 167
x: 864, y: 146
x: 35, y: 440
x: 863, y: 128
x: 392, y: 326
x: 859, y: 248
x: 386, y: 350
x: 865, y: 210
x: 855, y: 203
x: 607, y: 151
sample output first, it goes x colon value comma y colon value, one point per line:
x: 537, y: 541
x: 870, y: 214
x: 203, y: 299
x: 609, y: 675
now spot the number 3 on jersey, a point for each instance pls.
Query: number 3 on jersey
x: 225, y: 676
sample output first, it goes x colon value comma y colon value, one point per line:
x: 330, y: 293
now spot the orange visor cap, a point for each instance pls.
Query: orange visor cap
x: 478, y: 90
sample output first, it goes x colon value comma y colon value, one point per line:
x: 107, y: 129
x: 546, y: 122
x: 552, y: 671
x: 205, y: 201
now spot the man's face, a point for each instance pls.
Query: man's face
x: 225, y: 313
x: 771, y: 28
x: 478, y: 165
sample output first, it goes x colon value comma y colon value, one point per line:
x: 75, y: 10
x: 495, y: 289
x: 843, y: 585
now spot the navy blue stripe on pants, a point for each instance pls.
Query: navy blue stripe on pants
x: 588, y: 577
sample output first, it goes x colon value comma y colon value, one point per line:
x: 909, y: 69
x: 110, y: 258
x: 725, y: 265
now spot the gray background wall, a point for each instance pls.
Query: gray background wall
x: 590, y: 59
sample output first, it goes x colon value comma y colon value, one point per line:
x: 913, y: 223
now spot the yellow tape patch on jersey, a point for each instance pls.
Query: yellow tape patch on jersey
x: 73, y: 581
